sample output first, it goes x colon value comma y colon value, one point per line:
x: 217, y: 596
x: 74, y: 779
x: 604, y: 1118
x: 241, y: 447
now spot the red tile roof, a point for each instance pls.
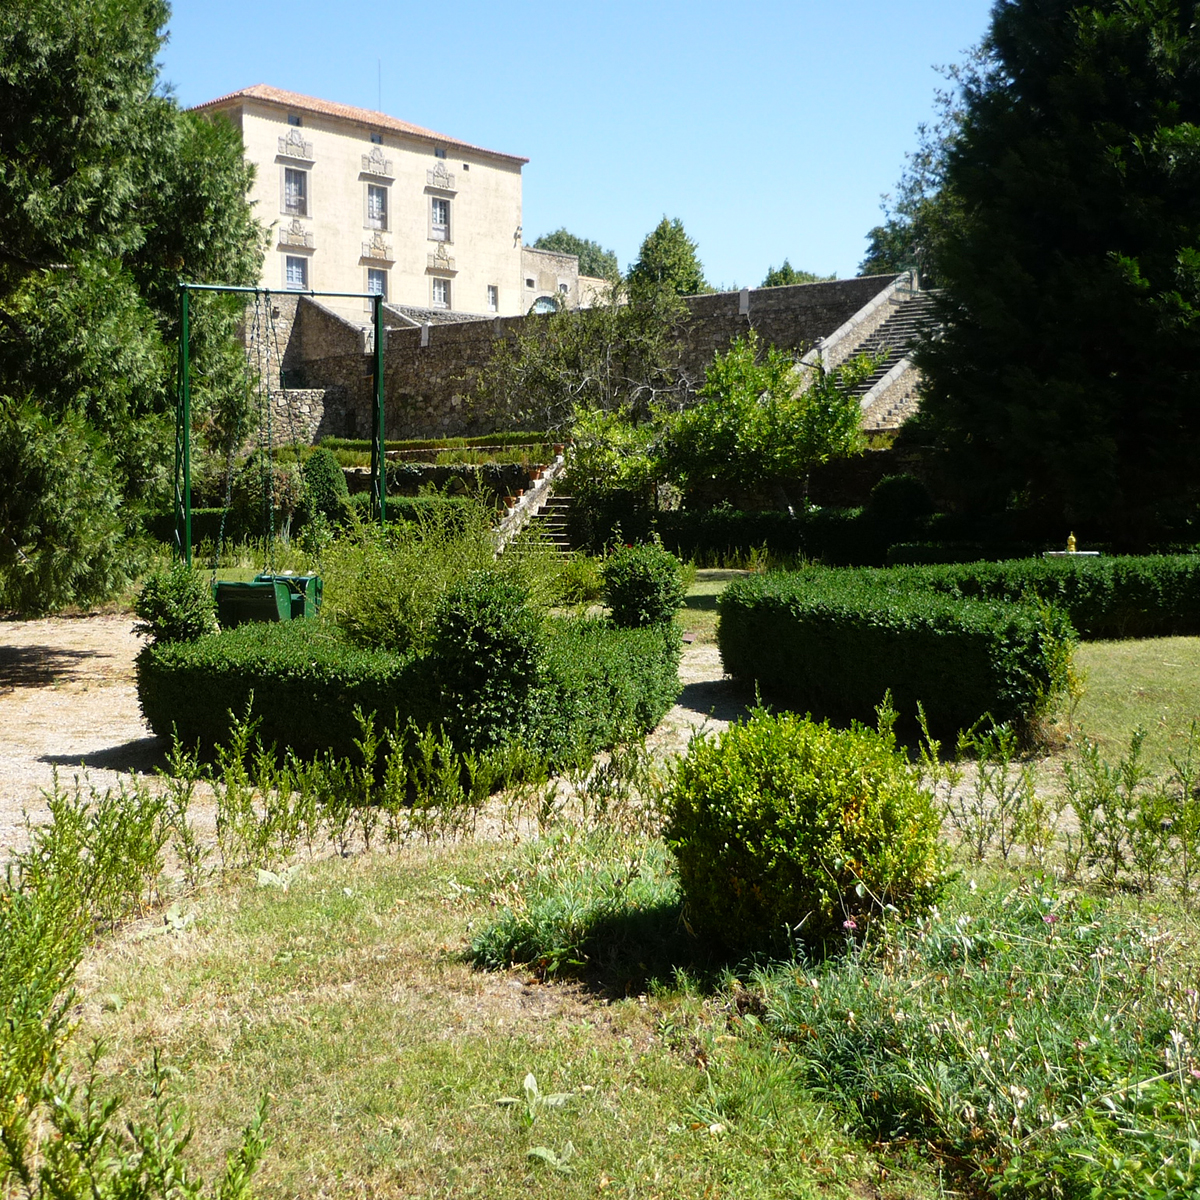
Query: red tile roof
x: 363, y: 116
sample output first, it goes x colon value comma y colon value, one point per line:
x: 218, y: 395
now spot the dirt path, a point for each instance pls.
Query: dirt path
x: 68, y: 701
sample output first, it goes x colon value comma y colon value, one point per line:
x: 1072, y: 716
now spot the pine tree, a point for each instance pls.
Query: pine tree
x: 667, y: 263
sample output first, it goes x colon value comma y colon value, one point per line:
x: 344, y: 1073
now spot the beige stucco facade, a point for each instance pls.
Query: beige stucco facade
x: 355, y: 201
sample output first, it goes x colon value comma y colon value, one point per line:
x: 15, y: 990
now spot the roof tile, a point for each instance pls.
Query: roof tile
x: 346, y: 112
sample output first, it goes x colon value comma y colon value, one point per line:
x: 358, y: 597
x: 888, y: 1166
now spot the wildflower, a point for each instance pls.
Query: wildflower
x: 850, y: 924
x: 1049, y: 918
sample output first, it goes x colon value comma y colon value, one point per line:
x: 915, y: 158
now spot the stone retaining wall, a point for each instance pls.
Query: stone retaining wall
x: 429, y: 370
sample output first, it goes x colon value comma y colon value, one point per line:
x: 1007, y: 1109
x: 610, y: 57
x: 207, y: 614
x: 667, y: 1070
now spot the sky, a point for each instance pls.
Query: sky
x: 771, y: 129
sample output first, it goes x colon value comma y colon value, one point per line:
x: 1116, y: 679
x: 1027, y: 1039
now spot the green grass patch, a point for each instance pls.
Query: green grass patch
x: 393, y: 1067
x: 1041, y: 1042
x: 1153, y: 684
x: 699, y: 614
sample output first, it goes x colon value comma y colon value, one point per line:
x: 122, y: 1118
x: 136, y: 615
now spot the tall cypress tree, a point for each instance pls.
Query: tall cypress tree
x: 1066, y: 382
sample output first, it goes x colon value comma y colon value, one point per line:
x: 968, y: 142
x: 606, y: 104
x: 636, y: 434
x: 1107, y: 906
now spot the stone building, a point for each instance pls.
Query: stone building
x: 358, y: 201
x: 551, y: 280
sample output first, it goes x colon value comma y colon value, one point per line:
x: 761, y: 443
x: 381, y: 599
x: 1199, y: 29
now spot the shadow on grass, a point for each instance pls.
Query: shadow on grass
x: 621, y: 953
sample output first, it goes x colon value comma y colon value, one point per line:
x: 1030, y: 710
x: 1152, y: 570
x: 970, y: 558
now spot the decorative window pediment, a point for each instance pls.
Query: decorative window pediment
x: 293, y: 145
x: 441, y: 262
x: 294, y: 234
x: 440, y: 178
x: 375, y: 164
x: 378, y: 249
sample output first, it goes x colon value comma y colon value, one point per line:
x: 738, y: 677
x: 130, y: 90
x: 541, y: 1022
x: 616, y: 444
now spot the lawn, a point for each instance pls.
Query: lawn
x: 394, y: 1068
x: 1153, y: 683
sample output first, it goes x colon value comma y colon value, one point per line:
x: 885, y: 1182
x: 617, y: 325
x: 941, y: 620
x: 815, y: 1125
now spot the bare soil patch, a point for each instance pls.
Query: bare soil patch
x: 68, y: 703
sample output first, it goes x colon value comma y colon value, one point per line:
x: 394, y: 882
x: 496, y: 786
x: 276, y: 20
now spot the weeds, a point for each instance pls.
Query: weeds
x: 97, y: 861
x: 1037, y: 1039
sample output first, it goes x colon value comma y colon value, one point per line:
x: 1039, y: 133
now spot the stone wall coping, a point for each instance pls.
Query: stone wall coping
x: 841, y: 343
x: 885, y: 384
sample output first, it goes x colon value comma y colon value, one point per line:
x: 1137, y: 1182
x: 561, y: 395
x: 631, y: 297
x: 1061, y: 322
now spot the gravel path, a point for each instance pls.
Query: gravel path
x: 68, y: 701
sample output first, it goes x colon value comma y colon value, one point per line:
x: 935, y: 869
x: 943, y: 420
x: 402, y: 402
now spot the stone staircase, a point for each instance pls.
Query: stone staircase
x: 552, y: 521
x: 896, y: 336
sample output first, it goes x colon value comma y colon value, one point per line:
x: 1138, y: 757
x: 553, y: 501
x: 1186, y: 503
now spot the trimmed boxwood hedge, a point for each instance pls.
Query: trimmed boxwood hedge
x: 833, y: 642
x: 601, y: 684
x: 1123, y: 597
x: 596, y: 684
x: 305, y: 679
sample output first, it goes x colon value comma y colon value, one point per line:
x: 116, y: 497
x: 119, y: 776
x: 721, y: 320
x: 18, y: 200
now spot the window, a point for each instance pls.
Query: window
x: 377, y: 139
x: 377, y: 206
x: 293, y: 119
x: 440, y: 220
x: 295, y: 192
x: 438, y: 152
x: 564, y: 288
x: 493, y: 298
x: 466, y: 166
x: 295, y: 273
x: 531, y: 283
x: 441, y: 293
x: 377, y: 282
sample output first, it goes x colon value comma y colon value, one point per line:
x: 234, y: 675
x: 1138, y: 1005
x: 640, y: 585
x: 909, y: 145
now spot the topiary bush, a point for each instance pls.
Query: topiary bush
x: 787, y: 829
x: 643, y: 585
x: 832, y: 642
x: 325, y: 489
x: 486, y: 659
x: 175, y: 605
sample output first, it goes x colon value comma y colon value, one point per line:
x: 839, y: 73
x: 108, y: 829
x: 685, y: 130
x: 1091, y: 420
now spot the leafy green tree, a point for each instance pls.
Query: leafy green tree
x: 1065, y: 382
x: 80, y: 122
x: 62, y: 533
x: 667, y: 263
x: 614, y: 355
x: 108, y: 193
x: 763, y: 420
x: 787, y: 275
x: 593, y: 258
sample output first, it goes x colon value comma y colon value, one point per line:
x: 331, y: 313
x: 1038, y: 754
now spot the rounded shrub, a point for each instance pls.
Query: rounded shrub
x: 259, y: 475
x: 486, y: 657
x: 785, y: 829
x: 899, y: 500
x: 325, y: 489
x: 643, y: 585
x: 175, y: 605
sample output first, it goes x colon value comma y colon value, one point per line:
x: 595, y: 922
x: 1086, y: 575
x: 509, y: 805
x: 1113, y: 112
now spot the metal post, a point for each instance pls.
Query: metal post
x: 378, y: 455
x: 183, y: 439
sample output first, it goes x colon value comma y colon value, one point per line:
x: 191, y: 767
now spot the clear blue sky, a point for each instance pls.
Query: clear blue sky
x: 770, y: 128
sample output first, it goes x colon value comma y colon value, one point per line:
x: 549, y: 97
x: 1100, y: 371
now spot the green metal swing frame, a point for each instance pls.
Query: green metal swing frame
x: 183, y: 426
